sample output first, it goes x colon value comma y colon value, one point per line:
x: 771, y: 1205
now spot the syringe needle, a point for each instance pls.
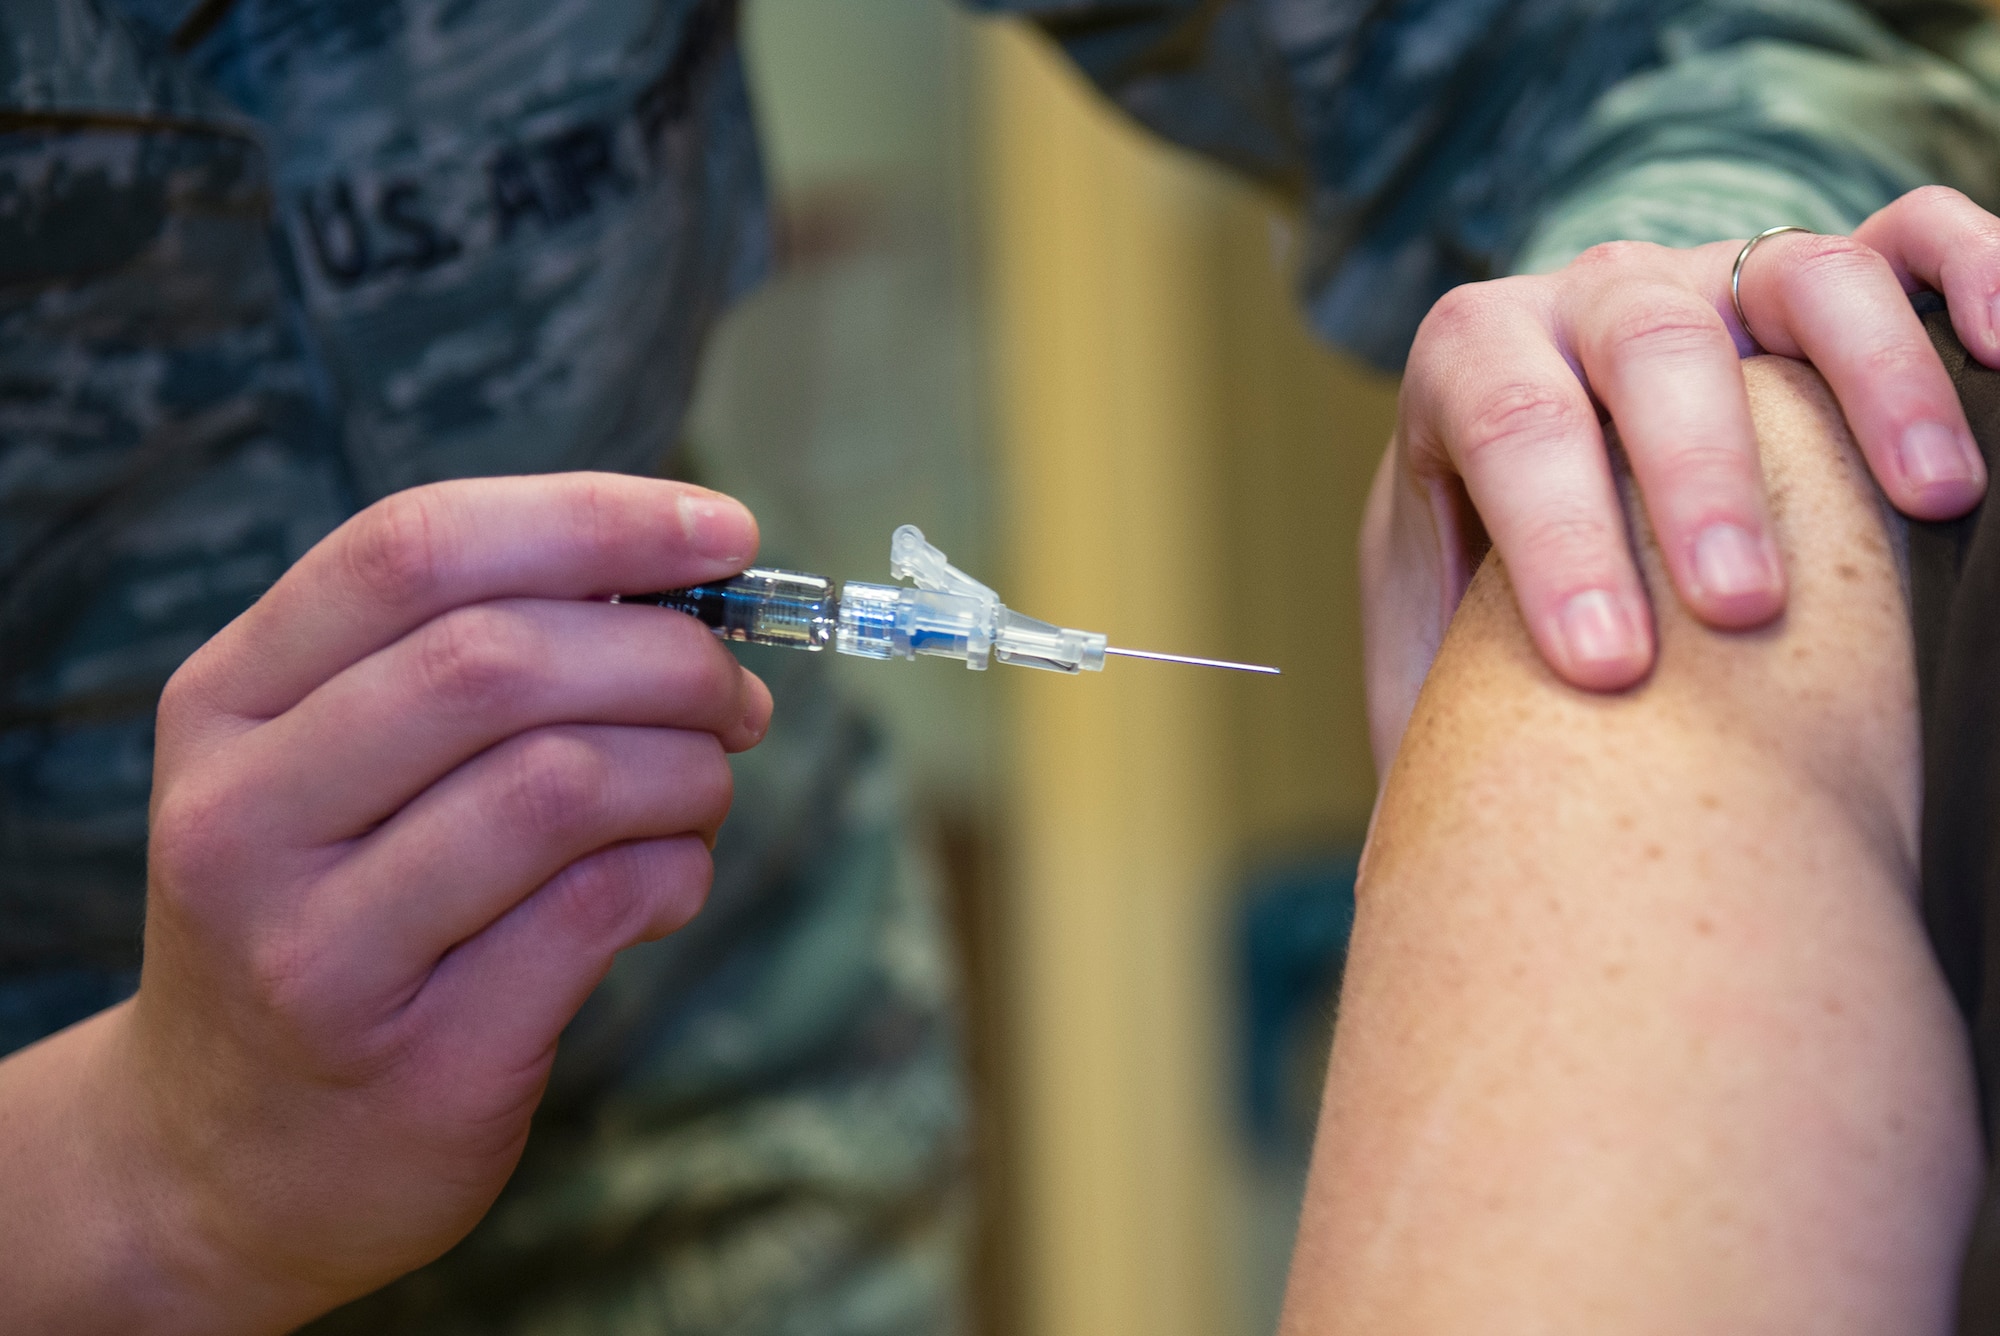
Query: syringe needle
x: 1199, y: 663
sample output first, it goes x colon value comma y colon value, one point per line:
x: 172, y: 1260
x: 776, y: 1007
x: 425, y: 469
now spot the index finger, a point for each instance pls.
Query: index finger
x: 419, y: 553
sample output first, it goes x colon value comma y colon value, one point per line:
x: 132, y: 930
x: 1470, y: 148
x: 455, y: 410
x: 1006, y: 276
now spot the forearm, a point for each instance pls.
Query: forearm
x: 1817, y: 120
x: 1639, y: 1030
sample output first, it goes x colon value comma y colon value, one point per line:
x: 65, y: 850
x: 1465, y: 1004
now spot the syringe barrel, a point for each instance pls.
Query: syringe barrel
x: 762, y: 606
x: 765, y: 606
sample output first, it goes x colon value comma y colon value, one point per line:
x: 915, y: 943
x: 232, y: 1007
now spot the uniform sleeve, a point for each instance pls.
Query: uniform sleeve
x: 1761, y: 117
x: 1438, y: 142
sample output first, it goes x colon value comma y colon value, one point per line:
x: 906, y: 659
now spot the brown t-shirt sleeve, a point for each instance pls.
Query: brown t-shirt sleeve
x: 1955, y: 610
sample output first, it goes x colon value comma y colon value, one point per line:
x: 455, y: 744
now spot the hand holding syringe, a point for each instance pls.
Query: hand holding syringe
x: 945, y: 612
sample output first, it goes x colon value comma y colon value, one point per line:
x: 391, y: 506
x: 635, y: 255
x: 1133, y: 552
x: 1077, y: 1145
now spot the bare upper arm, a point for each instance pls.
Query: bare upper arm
x: 1640, y: 1031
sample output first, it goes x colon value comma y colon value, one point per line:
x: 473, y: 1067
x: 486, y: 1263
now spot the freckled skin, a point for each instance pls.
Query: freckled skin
x: 1640, y: 1033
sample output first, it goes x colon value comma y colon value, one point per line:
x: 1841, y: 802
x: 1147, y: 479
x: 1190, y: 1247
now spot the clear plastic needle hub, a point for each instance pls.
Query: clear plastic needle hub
x: 942, y: 612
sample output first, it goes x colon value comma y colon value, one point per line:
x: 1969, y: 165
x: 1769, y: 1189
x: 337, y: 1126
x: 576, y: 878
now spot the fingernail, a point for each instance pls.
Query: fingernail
x: 1728, y: 562
x: 1933, y: 454
x: 715, y: 526
x: 1597, y: 631
x: 1993, y: 321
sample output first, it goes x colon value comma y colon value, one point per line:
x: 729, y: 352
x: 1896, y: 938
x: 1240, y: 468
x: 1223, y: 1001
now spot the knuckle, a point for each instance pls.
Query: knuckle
x: 1571, y: 544
x: 277, y: 973
x: 1816, y: 259
x: 1899, y: 363
x: 1518, y: 415
x: 181, y: 698
x: 1698, y: 461
x: 708, y: 674
x: 292, y: 976
x: 1619, y: 255
x: 1980, y: 248
x: 1932, y: 198
x: 1474, y: 313
x: 478, y: 659
x: 678, y: 878
x: 691, y: 872
x: 593, y: 514
x: 600, y: 898
x: 1667, y: 327
x: 704, y: 784
x: 1973, y: 236
x: 1459, y: 314
x: 197, y: 839
x: 393, y: 552
x: 558, y: 782
x: 713, y: 783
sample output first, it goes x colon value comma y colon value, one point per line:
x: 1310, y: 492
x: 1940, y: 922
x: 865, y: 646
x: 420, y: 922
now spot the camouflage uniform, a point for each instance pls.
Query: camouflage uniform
x: 318, y: 250
x: 342, y: 247
x: 1437, y: 142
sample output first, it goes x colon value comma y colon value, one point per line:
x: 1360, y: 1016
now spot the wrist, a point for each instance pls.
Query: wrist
x: 81, y: 1252
x: 196, y: 1250
x: 105, y: 1229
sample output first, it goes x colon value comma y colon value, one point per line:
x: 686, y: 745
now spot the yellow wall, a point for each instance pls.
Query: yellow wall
x: 1181, y: 467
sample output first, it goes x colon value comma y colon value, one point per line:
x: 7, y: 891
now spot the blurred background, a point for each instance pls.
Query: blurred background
x: 1071, y: 355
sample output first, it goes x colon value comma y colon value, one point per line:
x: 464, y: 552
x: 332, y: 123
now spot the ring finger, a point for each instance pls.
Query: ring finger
x: 1662, y: 361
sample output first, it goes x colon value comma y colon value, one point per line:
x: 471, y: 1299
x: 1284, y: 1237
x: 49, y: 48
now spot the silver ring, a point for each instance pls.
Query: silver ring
x: 1736, y: 276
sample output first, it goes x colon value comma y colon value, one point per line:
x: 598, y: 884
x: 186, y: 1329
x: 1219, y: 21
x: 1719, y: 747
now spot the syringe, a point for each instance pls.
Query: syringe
x: 943, y: 612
